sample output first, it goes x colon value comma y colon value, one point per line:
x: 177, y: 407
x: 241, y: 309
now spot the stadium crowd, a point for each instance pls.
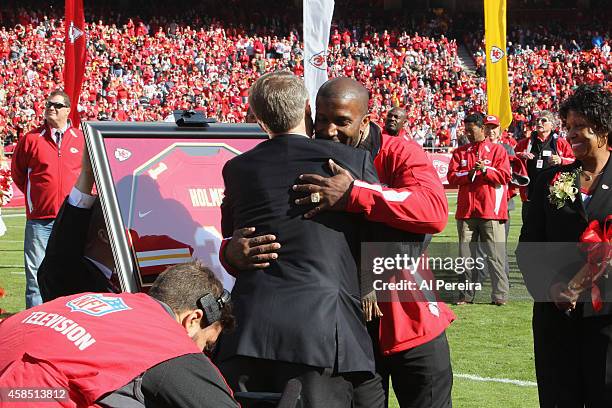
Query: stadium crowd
x: 546, y: 64
x: 145, y: 69
x: 142, y: 69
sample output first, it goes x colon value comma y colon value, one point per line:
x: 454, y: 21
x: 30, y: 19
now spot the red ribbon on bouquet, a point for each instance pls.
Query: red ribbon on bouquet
x: 599, y: 254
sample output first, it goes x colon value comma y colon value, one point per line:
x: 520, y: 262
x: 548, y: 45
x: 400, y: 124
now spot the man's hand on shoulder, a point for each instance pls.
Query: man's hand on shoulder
x: 246, y: 252
x: 329, y: 193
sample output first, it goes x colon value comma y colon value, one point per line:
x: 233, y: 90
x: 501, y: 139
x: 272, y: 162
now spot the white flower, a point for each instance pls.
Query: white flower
x: 562, y: 189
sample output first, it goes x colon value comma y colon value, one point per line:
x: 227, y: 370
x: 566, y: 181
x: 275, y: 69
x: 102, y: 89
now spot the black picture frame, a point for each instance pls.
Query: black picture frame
x: 97, y: 136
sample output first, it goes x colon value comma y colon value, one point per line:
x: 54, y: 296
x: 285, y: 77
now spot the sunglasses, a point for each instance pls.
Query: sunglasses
x: 542, y: 120
x: 56, y: 105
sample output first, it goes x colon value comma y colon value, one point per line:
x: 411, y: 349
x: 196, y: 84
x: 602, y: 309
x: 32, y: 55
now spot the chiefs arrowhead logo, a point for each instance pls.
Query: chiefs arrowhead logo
x: 74, y: 33
x: 122, y: 154
x: 319, y: 60
x: 496, y: 54
x: 441, y: 167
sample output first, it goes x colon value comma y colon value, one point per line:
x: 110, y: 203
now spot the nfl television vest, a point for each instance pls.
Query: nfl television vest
x: 90, y: 344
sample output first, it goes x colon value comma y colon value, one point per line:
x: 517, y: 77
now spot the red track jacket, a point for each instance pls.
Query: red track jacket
x: 44, y: 172
x: 484, y: 195
x: 414, y: 201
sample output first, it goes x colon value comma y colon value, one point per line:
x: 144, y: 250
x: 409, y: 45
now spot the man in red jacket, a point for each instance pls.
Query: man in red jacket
x: 45, y: 166
x: 481, y: 169
x: 410, y: 340
x: 119, y: 350
x: 394, y: 124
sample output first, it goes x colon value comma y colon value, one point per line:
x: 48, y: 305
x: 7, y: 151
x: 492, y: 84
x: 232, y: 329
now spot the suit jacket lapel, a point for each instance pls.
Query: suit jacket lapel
x: 600, y: 204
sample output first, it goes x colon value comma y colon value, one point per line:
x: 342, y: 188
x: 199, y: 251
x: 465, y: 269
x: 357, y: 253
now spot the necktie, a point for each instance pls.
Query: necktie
x: 58, y: 137
x: 114, y: 283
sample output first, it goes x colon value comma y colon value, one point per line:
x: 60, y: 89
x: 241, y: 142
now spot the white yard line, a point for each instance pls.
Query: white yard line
x: 13, y: 215
x: 520, y: 383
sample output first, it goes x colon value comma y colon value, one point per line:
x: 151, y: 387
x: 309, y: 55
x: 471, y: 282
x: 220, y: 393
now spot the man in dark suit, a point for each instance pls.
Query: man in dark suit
x: 301, y: 316
x: 78, y: 257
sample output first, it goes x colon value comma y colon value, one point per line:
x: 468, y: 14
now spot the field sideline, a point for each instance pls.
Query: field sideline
x: 491, y: 347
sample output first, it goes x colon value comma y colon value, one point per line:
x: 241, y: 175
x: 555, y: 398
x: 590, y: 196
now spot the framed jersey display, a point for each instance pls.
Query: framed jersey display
x: 161, y: 187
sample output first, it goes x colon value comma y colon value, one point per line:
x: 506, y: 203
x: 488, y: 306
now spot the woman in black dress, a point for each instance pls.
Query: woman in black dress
x: 572, y: 333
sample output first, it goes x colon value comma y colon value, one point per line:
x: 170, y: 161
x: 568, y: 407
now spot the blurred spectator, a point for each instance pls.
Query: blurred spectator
x: 394, y: 123
x: 543, y: 149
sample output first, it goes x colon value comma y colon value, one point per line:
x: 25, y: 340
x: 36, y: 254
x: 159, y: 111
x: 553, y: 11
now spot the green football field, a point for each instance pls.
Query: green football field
x: 491, y: 347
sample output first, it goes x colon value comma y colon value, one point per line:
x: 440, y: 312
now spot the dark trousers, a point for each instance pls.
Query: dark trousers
x: 573, y: 358
x: 525, y: 210
x: 321, y: 388
x: 422, y: 377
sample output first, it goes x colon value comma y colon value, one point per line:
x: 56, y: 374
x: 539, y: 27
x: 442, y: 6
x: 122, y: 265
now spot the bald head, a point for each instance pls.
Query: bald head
x: 342, y: 112
x: 345, y: 88
x: 396, y: 117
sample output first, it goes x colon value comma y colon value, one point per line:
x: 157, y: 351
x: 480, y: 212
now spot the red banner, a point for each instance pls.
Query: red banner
x: 75, y: 55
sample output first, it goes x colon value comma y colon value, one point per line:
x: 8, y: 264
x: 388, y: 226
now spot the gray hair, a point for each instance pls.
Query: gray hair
x: 550, y: 116
x: 278, y: 100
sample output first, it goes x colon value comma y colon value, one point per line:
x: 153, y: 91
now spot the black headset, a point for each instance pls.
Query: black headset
x: 212, y: 307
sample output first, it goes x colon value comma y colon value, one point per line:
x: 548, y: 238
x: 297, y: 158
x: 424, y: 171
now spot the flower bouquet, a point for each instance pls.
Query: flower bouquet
x: 562, y: 189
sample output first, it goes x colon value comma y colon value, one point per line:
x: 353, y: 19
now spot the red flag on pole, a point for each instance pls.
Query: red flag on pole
x: 75, y: 54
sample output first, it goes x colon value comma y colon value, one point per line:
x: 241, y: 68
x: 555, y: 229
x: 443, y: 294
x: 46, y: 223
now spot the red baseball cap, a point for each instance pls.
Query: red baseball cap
x: 491, y: 120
